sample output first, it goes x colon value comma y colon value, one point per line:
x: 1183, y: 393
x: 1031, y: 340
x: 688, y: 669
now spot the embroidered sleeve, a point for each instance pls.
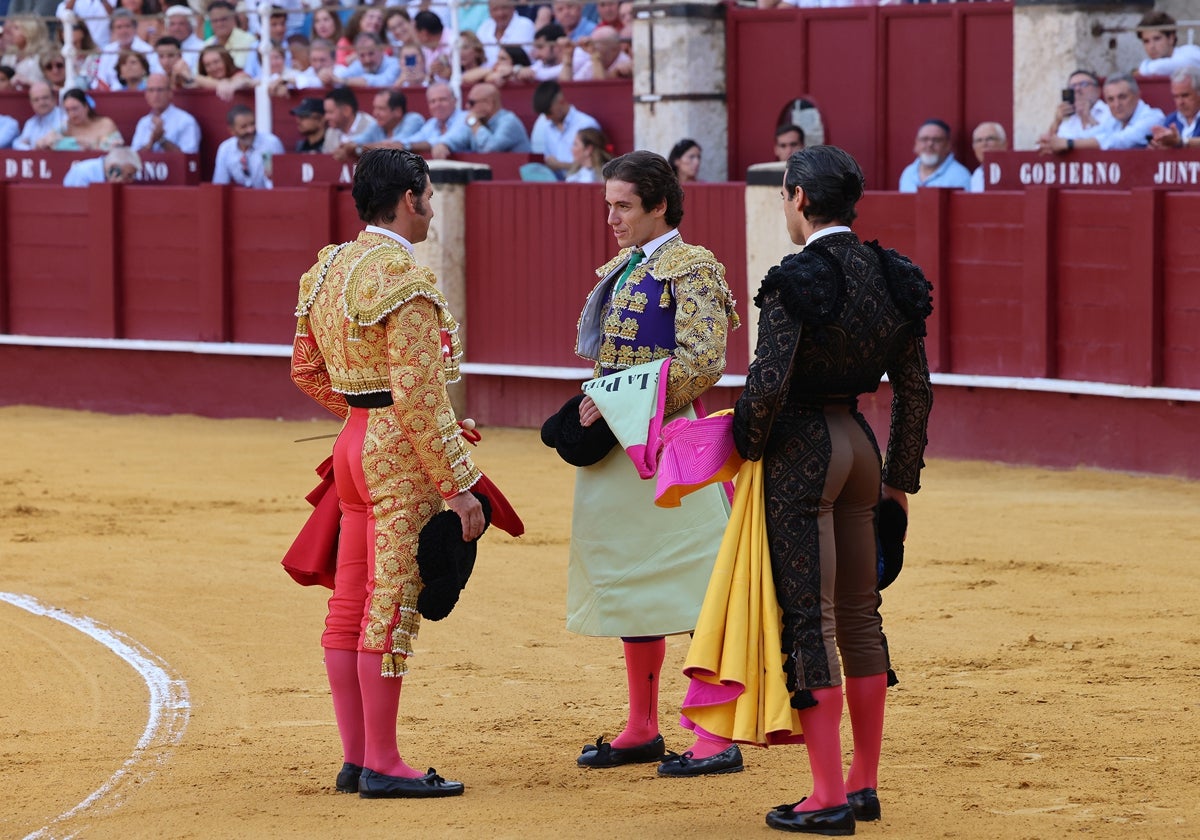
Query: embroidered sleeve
x: 912, y: 400
x: 311, y: 377
x: 703, y: 314
x: 415, y: 362
x: 767, y: 378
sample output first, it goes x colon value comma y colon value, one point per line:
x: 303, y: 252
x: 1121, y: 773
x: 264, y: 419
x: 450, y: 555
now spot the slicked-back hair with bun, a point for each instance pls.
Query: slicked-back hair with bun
x: 830, y: 178
x: 381, y: 179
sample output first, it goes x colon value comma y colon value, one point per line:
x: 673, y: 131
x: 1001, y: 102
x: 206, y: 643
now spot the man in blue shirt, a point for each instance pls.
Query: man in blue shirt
x: 1129, y: 126
x: 373, y: 67
x: 47, y: 117
x: 395, y: 126
x: 166, y: 128
x: 445, y: 117
x: 935, y: 165
x: 489, y: 127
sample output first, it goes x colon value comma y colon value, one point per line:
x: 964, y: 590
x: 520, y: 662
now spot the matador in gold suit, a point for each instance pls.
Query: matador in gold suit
x: 376, y: 345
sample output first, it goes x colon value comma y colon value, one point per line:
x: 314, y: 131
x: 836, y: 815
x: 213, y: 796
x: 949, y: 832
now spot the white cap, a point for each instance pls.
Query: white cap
x: 177, y: 11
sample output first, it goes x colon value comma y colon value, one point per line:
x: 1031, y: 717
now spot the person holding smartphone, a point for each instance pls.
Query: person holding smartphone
x: 1081, y: 111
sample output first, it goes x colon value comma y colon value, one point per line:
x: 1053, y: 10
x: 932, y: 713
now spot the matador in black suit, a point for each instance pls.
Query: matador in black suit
x: 834, y: 318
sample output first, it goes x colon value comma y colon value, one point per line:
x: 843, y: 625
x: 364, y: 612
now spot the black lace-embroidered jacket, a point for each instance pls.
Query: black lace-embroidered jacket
x: 850, y: 312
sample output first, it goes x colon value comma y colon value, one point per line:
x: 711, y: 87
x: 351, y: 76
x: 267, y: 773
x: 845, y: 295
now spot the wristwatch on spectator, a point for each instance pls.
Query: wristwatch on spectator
x: 472, y: 120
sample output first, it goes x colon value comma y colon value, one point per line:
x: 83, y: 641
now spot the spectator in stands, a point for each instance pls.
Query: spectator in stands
x: 569, y: 15
x: 124, y: 37
x: 373, y: 67
x: 608, y: 13
x: 1163, y: 56
x: 327, y: 26
x: 244, y: 158
x: 322, y: 66
x: 47, y: 117
x: 119, y: 166
x: 685, y: 160
x: 413, y: 72
x: 435, y: 44
x: 1083, y: 113
x: 366, y: 19
x: 343, y: 119
x: 398, y: 27
x: 146, y: 14
x: 218, y: 72
x: 1180, y: 128
x: 445, y: 117
x: 240, y: 44
x: 24, y: 41
x: 601, y: 54
x: 298, y: 52
x: 277, y: 27
x: 788, y: 138
x: 54, y: 70
x: 556, y: 126
x: 504, y: 26
x: 547, y: 55
x: 589, y: 153
x: 1129, y: 126
x: 166, y: 128
x: 508, y: 63
x: 488, y: 127
x: 987, y: 137
x: 83, y: 128
x: 174, y: 66
x: 132, y: 71
x: 310, y: 125
x: 281, y: 79
x: 10, y: 129
x: 625, y: 10
x: 6, y: 78
x: 935, y: 165
x: 394, y: 127
x: 87, y: 57
x: 181, y: 26
x: 472, y: 58
x: 93, y: 14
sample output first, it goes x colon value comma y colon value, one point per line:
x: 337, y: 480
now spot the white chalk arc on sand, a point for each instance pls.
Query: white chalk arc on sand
x: 169, y: 707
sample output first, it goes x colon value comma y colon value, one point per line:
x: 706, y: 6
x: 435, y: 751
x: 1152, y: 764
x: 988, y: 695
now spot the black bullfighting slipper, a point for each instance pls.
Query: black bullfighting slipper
x: 347, y: 780
x: 865, y: 804
x: 728, y: 760
x: 837, y: 821
x: 604, y: 754
x: 372, y: 785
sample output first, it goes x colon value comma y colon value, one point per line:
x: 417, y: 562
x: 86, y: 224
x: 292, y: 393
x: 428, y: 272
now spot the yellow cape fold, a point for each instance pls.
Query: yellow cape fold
x: 737, y: 687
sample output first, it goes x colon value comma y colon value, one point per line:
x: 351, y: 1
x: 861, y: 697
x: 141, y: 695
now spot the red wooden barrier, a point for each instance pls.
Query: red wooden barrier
x: 49, y: 167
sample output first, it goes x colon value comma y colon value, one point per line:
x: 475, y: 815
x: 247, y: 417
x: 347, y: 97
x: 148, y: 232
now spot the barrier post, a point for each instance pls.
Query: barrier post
x: 105, y: 210
x: 1145, y: 288
x: 1039, y: 338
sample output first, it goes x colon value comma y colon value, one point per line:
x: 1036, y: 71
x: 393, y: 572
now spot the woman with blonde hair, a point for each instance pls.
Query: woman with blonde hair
x: 25, y: 40
x: 590, y: 153
x: 472, y: 58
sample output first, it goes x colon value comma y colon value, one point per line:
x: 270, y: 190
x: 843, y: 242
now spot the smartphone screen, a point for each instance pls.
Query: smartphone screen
x: 410, y: 60
x: 1068, y: 95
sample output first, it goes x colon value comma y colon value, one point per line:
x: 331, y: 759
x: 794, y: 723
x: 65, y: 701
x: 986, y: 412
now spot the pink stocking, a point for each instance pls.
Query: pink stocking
x: 342, y: 668
x: 643, y: 663
x: 823, y: 737
x: 707, y: 745
x: 381, y: 705
x: 865, y: 697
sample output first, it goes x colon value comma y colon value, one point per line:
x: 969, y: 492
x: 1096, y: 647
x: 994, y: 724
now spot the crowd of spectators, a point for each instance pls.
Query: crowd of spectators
x: 321, y: 54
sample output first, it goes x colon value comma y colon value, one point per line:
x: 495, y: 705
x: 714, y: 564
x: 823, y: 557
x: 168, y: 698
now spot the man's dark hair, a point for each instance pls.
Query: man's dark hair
x: 237, y: 111
x: 7, y: 72
x: 939, y: 123
x: 788, y: 128
x: 830, y: 178
x: 168, y: 41
x: 429, y: 22
x: 344, y: 96
x: 1157, y: 19
x: 1082, y: 72
x: 221, y: 4
x: 544, y: 96
x: 550, y: 32
x: 653, y: 180
x: 297, y: 39
x: 382, y: 178
x: 397, y: 101
x: 277, y: 12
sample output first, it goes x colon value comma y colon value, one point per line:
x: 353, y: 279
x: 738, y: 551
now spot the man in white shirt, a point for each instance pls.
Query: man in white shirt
x: 343, y: 119
x: 504, y: 26
x: 124, y: 37
x: 1129, y: 127
x: 322, y: 70
x: 547, y: 55
x: 181, y: 26
x: 120, y: 166
x: 93, y: 14
x: 244, y: 158
x: 601, y: 54
x: 556, y: 126
x: 47, y: 117
x: 1082, y: 114
x: 1163, y: 56
x: 1180, y: 129
x: 166, y: 128
x: 987, y: 137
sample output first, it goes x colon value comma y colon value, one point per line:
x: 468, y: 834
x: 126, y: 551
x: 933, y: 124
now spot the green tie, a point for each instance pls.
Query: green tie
x: 635, y: 257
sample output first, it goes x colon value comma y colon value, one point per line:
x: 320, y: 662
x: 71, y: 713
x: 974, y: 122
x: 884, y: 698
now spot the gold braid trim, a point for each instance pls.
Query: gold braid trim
x: 310, y: 284
x: 677, y: 259
x: 612, y: 264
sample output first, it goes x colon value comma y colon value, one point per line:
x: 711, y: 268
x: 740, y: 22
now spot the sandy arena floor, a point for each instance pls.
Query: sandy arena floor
x: 1045, y: 632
